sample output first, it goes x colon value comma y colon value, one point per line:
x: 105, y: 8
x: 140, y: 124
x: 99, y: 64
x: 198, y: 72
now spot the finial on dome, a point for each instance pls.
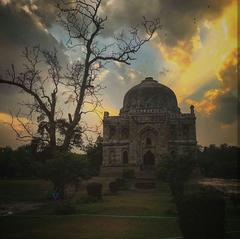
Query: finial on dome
x: 192, y: 109
x: 149, y: 78
x: 106, y: 114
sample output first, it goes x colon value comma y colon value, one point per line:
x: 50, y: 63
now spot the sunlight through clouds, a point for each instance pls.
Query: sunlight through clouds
x: 206, y: 62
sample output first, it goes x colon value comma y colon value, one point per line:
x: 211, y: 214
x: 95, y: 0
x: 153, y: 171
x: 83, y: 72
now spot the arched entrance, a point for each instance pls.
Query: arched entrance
x: 148, y: 159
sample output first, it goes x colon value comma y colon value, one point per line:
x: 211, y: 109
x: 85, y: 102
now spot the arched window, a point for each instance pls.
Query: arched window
x: 148, y: 141
x: 125, y: 157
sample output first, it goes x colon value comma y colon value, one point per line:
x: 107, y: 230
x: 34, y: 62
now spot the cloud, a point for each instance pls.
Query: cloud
x: 120, y: 78
x: 221, y: 103
x: 180, y: 19
x: 210, y: 131
x: 22, y: 23
x: 228, y: 72
x: 196, y: 46
x: 8, y: 136
x: 7, y: 119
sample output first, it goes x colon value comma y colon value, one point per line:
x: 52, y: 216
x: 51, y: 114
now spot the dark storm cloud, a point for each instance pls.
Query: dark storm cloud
x: 23, y: 24
x: 19, y: 28
x: 180, y: 18
x: 221, y: 95
x: 227, y: 108
x: 46, y: 10
x: 227, y: 104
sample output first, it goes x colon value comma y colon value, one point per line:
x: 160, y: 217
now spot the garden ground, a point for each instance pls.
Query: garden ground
x: 129, y: 214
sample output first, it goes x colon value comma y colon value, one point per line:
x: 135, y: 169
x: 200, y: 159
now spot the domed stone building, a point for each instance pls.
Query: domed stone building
x: 149, y: 126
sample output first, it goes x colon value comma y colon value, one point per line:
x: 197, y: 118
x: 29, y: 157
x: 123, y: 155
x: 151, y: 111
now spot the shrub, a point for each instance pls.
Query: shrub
x: 128, y: 174
x: 145, y: 185
x: 202, y: 215
x: 121, y: 183
x: 63, y: 169
x: 219, y: 161
x: 113, y: 187
x: 65, y: 208
x: 94, y: 190
x: 94, y: 157
x: 176, y: 171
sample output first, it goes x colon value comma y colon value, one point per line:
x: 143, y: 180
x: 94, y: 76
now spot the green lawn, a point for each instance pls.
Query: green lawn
x: 43, y: 223
x: 132, y: 203
x: 71, y: 227
x: 23, y: 190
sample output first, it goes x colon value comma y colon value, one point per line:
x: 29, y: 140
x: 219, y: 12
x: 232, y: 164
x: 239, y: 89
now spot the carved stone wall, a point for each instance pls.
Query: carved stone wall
x: 147, y: 128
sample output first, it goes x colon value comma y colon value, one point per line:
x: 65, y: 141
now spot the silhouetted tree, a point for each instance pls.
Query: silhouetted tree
x: 56, y: 127
x: 219, y: 162
x: 94, y: 156
x: 176, y: 171
x: 64, y: 169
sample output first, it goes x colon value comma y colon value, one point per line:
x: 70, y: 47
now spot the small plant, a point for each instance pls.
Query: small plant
x: 121, y: 183
x: 94, y: 190
x: 113, y: 187
x: 65, y: 208
x: 128, y: 174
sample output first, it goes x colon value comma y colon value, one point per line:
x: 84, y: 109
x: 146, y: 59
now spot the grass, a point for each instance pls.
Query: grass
x: 23, y: 190
x: 44, y: 224
x: 44, y: 227
x: 131, y: 203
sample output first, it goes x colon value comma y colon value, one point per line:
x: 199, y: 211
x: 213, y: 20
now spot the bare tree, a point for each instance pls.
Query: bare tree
x: 84, y: 24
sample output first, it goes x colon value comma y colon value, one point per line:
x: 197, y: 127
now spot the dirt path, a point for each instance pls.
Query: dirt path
x: 15, y: 208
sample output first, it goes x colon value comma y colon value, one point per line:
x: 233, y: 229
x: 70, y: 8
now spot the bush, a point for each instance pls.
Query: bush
x: 63, y: 169
x: 121, y: 183
x: 176, y: 171
x: 64, y: 208
x: 94, y: 157
x: 202, y: 215
x: 128, y: 174
x: 94, y: 190
x: 145, y: 185
x: 113, y: 187
x: 219, y: 162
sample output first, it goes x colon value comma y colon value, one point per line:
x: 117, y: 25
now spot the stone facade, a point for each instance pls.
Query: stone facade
x: 149, y: 125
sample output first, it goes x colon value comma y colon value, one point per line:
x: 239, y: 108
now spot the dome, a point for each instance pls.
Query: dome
x: 150, y: 94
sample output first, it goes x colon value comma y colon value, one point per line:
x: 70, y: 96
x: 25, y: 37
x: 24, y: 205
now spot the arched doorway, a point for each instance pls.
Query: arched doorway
x: 125, y: 157
x: 148, y: 159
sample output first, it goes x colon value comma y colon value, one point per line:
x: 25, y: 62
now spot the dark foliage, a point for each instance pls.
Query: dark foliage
x: 19, y: 163
x: 94, y: 157
x: 64, y: 169
x: 202, y: 214
x: 121, y: 183
x: 113, y: 187
x: 94, y: 190
x: 128, y: 174
x: 176, y: 171
x: 219, y: 162
x: 145, y: 185
x: 64, y: 208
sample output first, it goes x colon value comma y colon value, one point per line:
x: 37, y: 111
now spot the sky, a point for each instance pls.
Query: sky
x: 194, y: 53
